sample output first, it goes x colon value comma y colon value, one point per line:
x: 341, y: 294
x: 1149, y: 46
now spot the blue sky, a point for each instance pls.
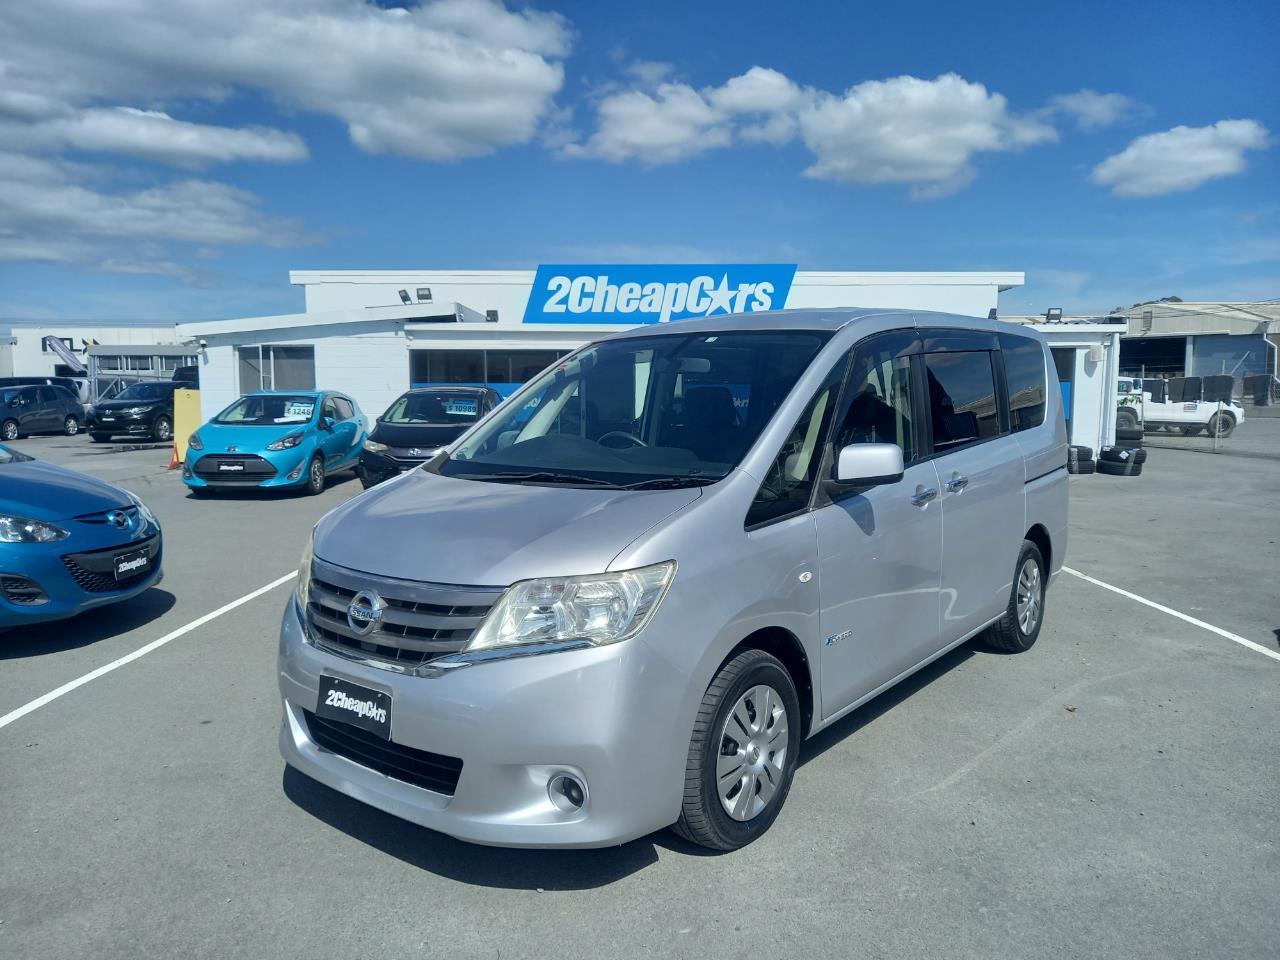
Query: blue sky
x: 178, y: 163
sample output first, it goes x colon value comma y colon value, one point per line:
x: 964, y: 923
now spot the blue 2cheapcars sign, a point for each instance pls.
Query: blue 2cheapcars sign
x: 634, y: 293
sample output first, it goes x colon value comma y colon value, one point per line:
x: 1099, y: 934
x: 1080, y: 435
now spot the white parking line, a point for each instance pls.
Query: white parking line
x: 52, y: 695
x: 1233, y: 637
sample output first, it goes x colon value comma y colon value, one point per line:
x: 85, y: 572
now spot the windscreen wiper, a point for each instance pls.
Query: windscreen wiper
x: 544, y: 476
x: 668, y: 483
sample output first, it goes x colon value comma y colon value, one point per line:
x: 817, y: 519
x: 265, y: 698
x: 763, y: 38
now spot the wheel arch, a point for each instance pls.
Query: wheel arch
x: 1039, y: 535
x: 786, y: 647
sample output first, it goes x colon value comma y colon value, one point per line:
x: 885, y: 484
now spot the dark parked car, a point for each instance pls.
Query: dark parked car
x: 417, y: 425
x: 187, y: 376
x: 140, y: 410
x: 78, y: 387
x: 47, y: 409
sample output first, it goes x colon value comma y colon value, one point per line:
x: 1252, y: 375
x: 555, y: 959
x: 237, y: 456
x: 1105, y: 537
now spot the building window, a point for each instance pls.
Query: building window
x: 111, y: 362
x: 277, y: 368
x: 137, y: 363
x: 499, y: 367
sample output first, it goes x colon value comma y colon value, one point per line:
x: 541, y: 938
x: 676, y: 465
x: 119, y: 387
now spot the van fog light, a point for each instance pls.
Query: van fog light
x: 567, y: 792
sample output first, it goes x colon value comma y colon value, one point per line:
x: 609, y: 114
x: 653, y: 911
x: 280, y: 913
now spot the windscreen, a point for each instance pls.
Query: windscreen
x: 667, y: 410
x: 445, y: 408
x: 146, y: 391
x: 269, y: 410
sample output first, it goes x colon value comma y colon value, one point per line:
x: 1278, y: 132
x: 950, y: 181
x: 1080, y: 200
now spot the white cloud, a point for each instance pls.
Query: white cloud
x: 154, y: 135
x: 1092, y: 110
x: 1180, y: 159
x: 441, y: 81
x: 907, y: 130
x: 47, y: 215
x: 673, y: 123
x: 923, y: 133
x: 649, y: 72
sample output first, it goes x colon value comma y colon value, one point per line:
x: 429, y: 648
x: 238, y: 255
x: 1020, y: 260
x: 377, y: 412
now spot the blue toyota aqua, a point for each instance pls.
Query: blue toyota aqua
x: 276, y: 438
x: 69, y: 542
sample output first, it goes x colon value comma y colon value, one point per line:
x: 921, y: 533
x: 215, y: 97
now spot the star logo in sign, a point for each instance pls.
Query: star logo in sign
x: 721, y: 297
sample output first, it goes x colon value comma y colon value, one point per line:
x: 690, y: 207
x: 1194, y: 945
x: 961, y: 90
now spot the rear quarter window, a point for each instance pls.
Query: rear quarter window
x: 1024, y: 369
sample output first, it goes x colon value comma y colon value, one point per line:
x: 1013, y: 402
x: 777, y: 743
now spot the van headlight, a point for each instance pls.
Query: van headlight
x: 600, y: 608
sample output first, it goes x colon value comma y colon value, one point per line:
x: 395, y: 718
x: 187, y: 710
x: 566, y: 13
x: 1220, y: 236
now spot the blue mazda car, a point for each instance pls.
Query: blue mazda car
x: 276, y: 438
x: 68, y: 542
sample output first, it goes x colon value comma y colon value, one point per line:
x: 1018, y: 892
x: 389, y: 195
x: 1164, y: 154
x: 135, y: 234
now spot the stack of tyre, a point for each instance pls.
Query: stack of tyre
x: 1122, y: 461
x: 1080, y: 459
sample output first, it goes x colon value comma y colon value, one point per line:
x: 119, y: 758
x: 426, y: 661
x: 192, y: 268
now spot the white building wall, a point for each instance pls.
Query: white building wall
x: 29, y: 360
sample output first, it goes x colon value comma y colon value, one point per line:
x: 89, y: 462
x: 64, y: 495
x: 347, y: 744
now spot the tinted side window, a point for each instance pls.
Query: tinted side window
x: 877, y: 405
x: 328, y: 409
x: 345, y: 411
x: 46, y: 394
x: 789, y: 481
x: 1025, y: 372
x: 962, y: 398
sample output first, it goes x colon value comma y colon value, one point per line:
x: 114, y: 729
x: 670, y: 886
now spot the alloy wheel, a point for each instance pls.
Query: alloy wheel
x: 1029, y: 596
x: 753, y: 753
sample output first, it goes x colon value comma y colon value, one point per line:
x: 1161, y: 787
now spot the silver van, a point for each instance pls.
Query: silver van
x: 622, y: 600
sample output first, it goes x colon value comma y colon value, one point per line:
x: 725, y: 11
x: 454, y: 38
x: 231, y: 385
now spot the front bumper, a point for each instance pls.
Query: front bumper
x: 44, y: 565
x: 135, y: 425
x: 284, y: 468
x: 607, y: 715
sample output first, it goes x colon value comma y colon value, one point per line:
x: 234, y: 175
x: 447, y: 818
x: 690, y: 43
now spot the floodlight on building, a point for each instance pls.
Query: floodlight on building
x: 424, y: 294
x: 1053, y: 315
x: 405, y: 298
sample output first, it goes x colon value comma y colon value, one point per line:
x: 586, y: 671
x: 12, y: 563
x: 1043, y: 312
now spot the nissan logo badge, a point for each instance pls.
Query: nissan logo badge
x: 364, y: 612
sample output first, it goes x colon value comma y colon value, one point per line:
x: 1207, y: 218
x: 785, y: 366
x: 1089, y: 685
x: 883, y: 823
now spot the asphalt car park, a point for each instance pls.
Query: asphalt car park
x: 1111, y: 792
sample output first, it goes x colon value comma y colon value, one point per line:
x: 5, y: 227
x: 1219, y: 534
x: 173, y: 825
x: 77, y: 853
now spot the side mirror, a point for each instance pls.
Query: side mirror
x: 868, y: 464
x: 327, y: 422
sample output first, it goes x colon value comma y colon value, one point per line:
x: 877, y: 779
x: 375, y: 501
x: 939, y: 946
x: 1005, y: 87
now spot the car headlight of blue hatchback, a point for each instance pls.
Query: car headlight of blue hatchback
x: 598, y: 609
x: 287, y: 442
x: 24, y: 530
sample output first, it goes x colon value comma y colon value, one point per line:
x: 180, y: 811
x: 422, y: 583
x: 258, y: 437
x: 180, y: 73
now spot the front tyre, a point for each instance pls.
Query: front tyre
x: 9, y: 430
x: 315, y: 476
x: 162, y: 430
x: 71, y: 426
x: 742, y: 756
x: 1019, y: 627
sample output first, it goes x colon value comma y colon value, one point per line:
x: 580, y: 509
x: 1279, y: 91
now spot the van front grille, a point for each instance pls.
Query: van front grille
x: 422, y: 621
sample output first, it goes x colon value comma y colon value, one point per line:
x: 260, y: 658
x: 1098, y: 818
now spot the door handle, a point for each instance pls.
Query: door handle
x: 957, y: 483
x: 923, y: 495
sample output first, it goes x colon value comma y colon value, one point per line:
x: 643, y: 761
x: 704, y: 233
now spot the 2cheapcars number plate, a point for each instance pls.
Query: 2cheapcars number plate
x: 357, y: 705
x: 130, y: 564
x: 230, y: 467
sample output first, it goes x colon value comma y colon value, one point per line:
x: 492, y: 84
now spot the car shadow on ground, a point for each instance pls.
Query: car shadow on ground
x: 89, y: 627
x: 561, y: 869
x: 280, y: 493
x: 466, y: 862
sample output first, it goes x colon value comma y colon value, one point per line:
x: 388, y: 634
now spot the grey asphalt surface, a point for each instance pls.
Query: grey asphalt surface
x: 1109, y: 793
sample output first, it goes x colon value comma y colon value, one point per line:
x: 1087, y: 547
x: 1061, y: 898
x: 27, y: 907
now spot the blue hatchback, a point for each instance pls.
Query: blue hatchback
x: 276, y: 438
x: 69, y: 542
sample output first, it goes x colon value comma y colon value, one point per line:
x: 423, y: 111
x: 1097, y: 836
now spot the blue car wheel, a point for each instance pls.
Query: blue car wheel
x: 315, y: 476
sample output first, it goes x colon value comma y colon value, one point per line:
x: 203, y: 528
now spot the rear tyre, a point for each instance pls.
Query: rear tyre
x: 1220, y: 424
x: 71, y: 426
x: 99, y: 437
x: 315, y: 476
x: 162, y: 430
x: 9, y: 430
x: 742, y: 755
x: 1019, y: 627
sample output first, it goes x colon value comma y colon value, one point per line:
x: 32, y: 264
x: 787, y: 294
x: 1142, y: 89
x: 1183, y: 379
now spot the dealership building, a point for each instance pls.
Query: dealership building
x: 374, y: 333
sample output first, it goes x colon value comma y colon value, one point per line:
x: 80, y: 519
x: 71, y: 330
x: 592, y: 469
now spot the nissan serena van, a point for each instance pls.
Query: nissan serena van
x: 623, y: 599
